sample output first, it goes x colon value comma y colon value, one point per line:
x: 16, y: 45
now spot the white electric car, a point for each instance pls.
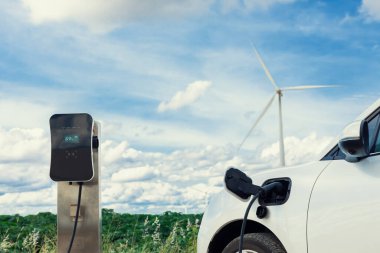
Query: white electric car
x: 330, y: 205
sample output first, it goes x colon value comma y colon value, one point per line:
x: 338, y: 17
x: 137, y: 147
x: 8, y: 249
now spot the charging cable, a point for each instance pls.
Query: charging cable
x: 245, y: 221
x: 263, y: 191
x: 241, y: 185
x: 76, y: 217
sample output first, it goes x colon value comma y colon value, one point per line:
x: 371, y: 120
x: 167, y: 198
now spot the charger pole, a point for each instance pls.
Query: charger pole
x: 88, y: 233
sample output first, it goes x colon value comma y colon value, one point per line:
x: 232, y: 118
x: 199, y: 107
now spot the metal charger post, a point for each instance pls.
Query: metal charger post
x: 88, y: 231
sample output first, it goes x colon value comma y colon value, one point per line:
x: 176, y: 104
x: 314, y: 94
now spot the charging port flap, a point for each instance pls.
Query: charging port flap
x: 275, y: 198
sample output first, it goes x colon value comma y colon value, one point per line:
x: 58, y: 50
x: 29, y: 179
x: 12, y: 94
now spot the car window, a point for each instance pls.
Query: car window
x: 376, y: 148
x: 372, y: 133
x: 334, y: 154
x: 339, y: 155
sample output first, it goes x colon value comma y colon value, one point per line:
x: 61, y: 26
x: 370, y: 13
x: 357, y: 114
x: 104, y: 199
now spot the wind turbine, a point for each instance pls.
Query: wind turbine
x: 279, y: 93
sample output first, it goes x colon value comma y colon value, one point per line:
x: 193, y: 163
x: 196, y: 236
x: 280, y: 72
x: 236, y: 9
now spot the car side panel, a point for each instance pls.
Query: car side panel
x: 344, y: 214
x: 287, y: 222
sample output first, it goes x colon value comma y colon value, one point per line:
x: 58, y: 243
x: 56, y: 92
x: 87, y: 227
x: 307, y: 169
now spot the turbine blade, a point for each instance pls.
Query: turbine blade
x: 304, y: 87
x: 257, y: 120
x: 265, y: 68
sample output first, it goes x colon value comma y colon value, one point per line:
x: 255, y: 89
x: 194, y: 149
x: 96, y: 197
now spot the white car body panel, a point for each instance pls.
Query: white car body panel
x: 287, y: 222
x: 308, y: 228
x: 345, y: 199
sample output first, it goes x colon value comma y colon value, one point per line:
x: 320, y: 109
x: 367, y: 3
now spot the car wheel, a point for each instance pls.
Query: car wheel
x: 256, y: 243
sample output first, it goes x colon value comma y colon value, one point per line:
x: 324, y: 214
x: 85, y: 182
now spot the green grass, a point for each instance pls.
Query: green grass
x: 131, y: 233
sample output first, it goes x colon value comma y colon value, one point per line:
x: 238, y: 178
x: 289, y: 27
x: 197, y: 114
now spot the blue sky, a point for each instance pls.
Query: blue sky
x: 176, y: 87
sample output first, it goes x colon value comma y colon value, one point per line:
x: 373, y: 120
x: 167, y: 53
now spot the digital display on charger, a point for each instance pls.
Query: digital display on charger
x: 71, y: 139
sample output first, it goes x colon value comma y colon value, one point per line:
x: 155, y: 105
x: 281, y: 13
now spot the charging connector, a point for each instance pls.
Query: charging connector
x: 263, y: 191
x: 241, y: 185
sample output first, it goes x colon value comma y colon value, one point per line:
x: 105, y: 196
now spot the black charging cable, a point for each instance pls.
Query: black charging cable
x: 245, y: 221
x: 76, y: 217
x: 241, y: 185
x: 263, y: 191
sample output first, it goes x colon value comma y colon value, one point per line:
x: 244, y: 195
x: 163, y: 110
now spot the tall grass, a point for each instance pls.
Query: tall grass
x: 149, y: 235
x: 122, y: 233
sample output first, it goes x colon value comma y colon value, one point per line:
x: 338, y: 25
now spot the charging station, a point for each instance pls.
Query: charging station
x: 75, y: 153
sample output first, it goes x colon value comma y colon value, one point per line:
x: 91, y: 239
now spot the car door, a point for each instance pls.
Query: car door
x: 344, y: 208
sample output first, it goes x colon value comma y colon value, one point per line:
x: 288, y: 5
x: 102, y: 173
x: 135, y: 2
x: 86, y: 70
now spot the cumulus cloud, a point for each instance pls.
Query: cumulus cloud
x: 24, y: 161
x: 19, y: 177
x: 133, y: 180
x: 31, y: 201
x: 183, y: 98
x: 15, y: 111
x: 370, y: 9
x: 112, y: 152
x: 19, y: 144
x: 137, y: 181
x: 181, y: 180
x: 135, y: 174
x: 103, y: 15
x: 297, y: 150
x: 32, y: 198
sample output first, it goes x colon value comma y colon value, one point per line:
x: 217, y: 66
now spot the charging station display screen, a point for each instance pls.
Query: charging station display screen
x: 71, y: 138
x: 71, y: 147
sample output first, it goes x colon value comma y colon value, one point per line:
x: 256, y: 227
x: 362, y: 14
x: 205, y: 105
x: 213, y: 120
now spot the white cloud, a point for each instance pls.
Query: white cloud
x: 136, y: 181
x: 140, y: 181
x: 19, y: 177
x: 24, y: 160
x: 297, y: 150
x: 181, y: 180
x: 183, y: 98
x: 20, y: 113
x: 103, y: 15
x: 112, y: 152
x: 135, y: 174
x: 27, y: 202
x: 154, y: 134
x: 19, y: 144
x: 370, y: 9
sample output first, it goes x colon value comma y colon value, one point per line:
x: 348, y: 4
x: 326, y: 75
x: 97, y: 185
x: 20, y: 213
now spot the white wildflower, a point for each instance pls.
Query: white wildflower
x: 31, y: 240
x: 156, y: 234
x: 146, y: 232
x: 5, y: 244
x: 174, y: 234
x: 182, y: 233
x: 188, y: 226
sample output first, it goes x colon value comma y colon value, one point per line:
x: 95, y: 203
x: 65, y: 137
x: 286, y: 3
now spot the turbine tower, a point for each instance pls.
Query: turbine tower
x: 278, y: 92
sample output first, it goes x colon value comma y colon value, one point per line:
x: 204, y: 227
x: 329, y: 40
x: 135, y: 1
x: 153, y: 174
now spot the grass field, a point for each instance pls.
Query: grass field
x: 169, y: 232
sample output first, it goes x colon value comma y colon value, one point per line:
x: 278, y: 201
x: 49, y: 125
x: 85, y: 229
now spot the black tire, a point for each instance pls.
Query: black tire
x: 256, y: 242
